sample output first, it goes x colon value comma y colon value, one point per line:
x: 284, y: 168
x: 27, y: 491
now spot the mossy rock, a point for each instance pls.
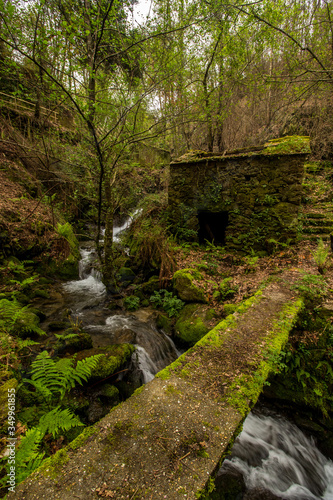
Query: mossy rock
x: 126, y: 276
x: 80, y: 342
x: 183, y: 283
x: 27, y: 325
x: 193, y: 322
x: 56, y: 326
x: 163, y: 322
x: 150, y: 286
x: 66, y: 270
x: 108, y: 391
x: 229, y: 308
x: 44, y: 294
x: 114, y: 356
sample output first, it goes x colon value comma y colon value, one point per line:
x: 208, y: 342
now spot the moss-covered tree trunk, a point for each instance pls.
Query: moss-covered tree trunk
x: 108, y: 271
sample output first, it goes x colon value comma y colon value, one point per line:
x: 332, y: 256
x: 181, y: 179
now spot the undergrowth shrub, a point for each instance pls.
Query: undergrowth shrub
x: 51, y: 380
x: 315, y: 376
x: 167, y: 301
x: 132, y: 303
x: 312, y: 287
x: 149, y: 240
x: 320, y: 255
x: 18, y: 320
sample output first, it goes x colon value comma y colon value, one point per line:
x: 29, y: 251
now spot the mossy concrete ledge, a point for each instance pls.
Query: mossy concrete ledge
x: 168, y: 438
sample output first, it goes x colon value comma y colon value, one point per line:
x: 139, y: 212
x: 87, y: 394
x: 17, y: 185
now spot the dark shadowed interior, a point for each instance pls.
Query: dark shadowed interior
x: 212, y: 227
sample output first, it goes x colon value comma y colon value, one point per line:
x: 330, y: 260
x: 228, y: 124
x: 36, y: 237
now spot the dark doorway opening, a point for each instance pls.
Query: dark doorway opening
x: 212, y: 227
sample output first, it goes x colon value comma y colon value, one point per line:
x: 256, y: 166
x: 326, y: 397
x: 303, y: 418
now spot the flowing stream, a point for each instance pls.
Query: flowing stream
x: 277, y: 461
x: 86, y: 300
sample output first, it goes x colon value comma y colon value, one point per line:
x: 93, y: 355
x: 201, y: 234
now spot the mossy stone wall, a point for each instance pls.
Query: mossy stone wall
x: 260, y: 192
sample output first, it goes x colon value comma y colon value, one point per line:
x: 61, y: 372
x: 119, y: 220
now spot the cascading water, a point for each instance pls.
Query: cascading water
x: 89, y: 290
x: 86, y: 298
x: 277, y: 461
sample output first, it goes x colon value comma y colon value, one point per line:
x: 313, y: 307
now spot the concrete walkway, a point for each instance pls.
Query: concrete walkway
x: 168, y: 439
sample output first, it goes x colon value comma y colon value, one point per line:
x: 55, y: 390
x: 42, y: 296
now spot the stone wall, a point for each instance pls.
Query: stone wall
x: 240, y: 200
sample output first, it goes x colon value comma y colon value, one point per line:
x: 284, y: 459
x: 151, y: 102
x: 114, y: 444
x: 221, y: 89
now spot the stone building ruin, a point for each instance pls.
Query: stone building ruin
x: 242, y: 199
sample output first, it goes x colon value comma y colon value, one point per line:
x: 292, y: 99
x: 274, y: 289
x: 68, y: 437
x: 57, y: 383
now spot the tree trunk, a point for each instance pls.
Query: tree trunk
x: 108, y: 271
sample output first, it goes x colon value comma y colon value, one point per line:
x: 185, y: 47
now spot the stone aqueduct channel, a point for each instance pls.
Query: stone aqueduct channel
x: 167, y: 440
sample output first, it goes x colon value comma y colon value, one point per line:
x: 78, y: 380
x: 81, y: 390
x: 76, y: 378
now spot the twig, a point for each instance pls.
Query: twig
x: 134, y: 493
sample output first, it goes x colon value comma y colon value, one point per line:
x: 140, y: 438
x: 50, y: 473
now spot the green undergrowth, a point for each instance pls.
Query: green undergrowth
x: 305, y: 369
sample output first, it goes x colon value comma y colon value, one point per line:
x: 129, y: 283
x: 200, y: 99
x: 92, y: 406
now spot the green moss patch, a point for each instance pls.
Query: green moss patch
x: 113, y: 357
x: 193, y: 322
x: 185, y: 286
x: 294, y: 144
x: 246, y: 388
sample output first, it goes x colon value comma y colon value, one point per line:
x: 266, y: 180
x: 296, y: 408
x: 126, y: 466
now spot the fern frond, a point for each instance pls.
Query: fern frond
x: 66, y: 337
x: 43, y: 369
x: 10, y: 310
x: 21, y: 344
x: 85, y: 366
x: 28, y: 447
x: 28, y: 457
x: 42, y: 389
x: 64, y: 365
x: 59, y: 377
x: 58, y: 419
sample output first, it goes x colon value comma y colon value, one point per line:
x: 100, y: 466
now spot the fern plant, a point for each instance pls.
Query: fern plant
x: 320, y: 255
x: 19, y: 320
x: 52, y: 380
x: 66, y: 231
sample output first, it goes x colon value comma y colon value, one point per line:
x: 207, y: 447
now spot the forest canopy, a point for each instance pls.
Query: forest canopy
x: 200, y: 75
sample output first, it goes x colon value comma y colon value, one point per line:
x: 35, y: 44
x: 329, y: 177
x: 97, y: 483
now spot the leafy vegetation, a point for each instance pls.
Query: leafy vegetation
x: 167, y: 301
x: 52, y: 380
x: 312, y: 287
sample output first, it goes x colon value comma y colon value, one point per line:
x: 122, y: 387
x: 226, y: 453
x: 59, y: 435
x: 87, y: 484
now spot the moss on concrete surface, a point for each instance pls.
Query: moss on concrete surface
x: 213, y: 338
x: 245, y: 389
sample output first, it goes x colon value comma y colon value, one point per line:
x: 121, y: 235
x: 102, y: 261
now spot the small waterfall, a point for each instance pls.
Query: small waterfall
x: 144, y: 365
x: 86, y: 297
x: 89, y: 290
x: 156, y: 349
x: 117, y: 230
x: 277, y: 461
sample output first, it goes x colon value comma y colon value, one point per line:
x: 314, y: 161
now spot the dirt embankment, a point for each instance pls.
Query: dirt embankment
x: 27, y: 223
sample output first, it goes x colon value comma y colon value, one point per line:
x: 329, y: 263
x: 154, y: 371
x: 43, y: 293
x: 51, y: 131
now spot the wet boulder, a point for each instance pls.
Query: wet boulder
x: 113, y: 357
x: 185, y: 283
x: 229, y: 483
x: 71, y: 342
x: 194, y: 321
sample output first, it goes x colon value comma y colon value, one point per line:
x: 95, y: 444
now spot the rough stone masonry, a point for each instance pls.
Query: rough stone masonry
x: 245, y: 199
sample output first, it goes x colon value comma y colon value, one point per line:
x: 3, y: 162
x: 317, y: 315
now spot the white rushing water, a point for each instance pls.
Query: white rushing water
x: 273, y: 454
x: 89, y: 290
x: 85, y: 299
